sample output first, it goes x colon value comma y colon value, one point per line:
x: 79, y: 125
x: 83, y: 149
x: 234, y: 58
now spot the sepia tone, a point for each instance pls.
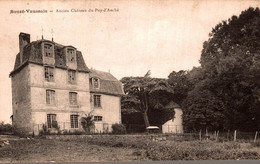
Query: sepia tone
x: 97, y: 81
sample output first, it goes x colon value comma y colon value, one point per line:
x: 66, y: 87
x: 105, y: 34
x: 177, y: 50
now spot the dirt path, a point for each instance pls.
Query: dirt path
x: 44, y: 150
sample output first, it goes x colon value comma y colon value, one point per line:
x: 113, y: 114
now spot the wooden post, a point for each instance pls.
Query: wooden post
x: 228, y: 135
x: 217, y: 136
x: 235, y: 135
x: 255, y: 136
x: 207, y: 135
x: 200, y: 135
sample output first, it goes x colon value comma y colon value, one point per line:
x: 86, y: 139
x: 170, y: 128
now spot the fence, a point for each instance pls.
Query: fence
x: 67, y: 127
x: 175, y: 134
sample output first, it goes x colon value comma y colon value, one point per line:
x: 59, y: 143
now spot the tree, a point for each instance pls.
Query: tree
x: 230, y: 73
x: 181, y: 85
x: 144, y: 93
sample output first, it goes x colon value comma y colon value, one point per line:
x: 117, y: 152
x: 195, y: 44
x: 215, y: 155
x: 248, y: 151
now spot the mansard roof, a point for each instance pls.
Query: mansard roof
x: 32, y: 54
x: 108, y: 83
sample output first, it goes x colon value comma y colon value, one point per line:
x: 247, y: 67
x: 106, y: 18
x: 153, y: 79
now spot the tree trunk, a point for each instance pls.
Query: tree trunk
x: 146, y: 121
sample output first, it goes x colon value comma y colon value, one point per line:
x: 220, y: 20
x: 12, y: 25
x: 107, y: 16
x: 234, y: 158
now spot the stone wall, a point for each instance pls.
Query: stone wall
x: 110, y: 111
x: 61, y: 107
x: 21, y: 101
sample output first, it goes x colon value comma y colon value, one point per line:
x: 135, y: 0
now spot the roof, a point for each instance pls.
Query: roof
x: 108, y: 83
x: 171, y: 105
x: 32, y: 54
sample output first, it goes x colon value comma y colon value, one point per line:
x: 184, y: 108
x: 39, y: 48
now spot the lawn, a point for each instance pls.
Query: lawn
x: 45, y: 150
x: 80, y: 148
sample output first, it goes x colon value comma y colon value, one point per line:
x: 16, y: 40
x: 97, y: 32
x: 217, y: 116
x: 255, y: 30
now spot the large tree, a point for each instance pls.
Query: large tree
x: 144, y: 94
x: 229, y: 74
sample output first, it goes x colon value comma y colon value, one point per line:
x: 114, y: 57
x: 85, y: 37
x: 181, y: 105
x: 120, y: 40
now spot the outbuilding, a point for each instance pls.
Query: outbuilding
x: 175, y: 124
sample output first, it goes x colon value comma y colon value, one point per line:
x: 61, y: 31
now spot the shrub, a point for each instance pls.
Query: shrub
x: 5, y: 128
x: 118, y: 129
x: 55, y: 125
x: 88, y: 123
x: 255, y: 144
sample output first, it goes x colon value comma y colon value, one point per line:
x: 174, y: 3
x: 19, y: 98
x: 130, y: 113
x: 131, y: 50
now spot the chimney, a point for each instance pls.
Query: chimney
x: 24, y: 39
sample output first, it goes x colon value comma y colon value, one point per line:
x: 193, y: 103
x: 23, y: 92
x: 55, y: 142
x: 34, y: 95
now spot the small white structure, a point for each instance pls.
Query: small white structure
x: 174, y: 125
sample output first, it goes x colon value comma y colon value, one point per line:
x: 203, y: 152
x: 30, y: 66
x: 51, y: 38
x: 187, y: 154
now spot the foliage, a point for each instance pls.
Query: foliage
x: 88, y: 123
x: 144, y: 94
x: 5, y: 128
x: 180, y: 84
x: 118, y: 129
x: 55, y: 125
x: 44, y: 128
x: 227, y: 83
x: 203, y: 110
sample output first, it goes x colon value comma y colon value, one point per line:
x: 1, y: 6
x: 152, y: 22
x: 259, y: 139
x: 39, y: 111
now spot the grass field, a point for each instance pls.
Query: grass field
x: 122, y: 148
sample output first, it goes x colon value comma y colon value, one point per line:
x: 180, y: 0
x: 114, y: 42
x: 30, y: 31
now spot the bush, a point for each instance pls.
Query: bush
x: 5, y: 128
x: 118, y: 129
x: 88, y: 123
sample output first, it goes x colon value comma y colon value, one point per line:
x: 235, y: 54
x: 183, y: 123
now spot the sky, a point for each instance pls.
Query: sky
x: 161, y: 36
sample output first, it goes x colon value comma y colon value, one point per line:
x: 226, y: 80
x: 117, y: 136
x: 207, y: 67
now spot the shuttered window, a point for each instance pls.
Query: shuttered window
x: 97, y: 101
x: 48, y: 50
x: 51, y: 118
x: 72, y: 76
x: 71, y: 55
x: 96, y: 83
x: 73, y: 98
x: 48, y: 73
x: 50, y: 97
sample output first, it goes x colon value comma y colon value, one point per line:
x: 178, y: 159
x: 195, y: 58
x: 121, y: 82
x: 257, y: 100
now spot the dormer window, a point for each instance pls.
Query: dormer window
x: 71, y: 55
x: 48, y: 50
x: 96, y: 83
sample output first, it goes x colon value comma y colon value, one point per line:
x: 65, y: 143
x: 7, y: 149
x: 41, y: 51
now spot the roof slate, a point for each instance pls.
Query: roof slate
x: 32, y: 53
x: 108, y: 83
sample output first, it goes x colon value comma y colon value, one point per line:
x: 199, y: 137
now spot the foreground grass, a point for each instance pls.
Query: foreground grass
x: 122, y: 148
x: 44, y: 150
x: 172, y: 150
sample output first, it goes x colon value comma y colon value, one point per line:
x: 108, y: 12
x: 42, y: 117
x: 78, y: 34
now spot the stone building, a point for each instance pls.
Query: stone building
x: 174, y: 125
x: 52, y: 87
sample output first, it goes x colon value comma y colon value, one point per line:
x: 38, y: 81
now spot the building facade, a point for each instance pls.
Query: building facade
x: 52, y: 88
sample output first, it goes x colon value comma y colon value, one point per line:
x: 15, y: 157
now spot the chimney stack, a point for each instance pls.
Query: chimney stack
x: 24, y: 39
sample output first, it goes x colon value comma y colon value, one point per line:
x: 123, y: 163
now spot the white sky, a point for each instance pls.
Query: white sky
x: 160, y: 36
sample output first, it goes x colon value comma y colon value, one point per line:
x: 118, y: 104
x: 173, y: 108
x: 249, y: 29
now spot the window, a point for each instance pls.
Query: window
x: 73, y: 98
x: 48, y: 50
x: 72, y: 76
x: 48, y: 73
x: 97, y: 118
x: 97, y: 100
x: 74, y: 121
x: 71, y: 55
x: 51, y: 120
x: 50, y: 97
x: 96, y: 83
